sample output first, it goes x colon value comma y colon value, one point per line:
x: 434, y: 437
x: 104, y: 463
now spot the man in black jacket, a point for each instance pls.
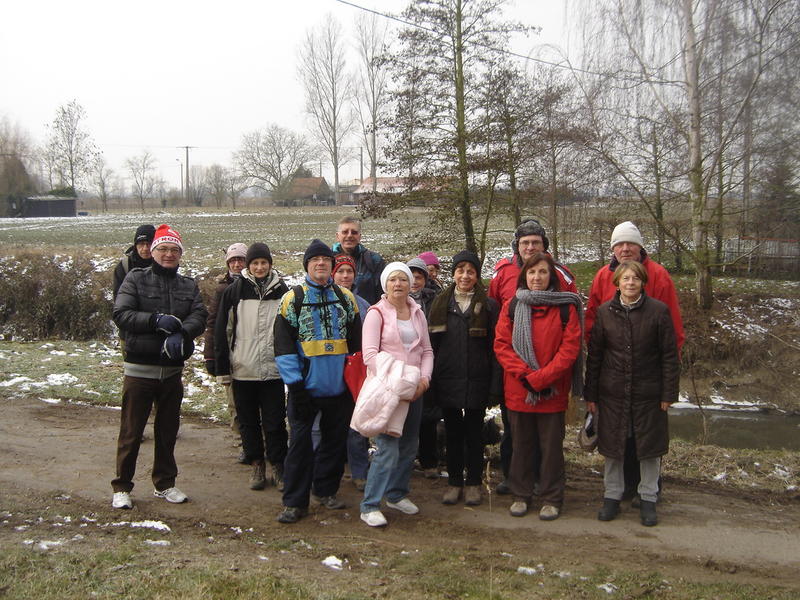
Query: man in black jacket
x: 138, y: 255
x: 159, y: 313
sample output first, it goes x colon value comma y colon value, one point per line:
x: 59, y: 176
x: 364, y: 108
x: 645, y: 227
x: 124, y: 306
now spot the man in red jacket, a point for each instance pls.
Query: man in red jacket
x: 529, y: 238
x: 627, y: 244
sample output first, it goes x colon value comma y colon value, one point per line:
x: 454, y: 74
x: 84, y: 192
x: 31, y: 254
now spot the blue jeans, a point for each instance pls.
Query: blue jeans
x: 357, y: 454
x: 390, y: 472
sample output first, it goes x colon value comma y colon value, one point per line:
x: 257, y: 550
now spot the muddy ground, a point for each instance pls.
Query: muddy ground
x: 58, y: 460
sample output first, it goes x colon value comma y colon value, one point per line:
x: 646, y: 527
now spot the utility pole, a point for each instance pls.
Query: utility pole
x: 361, y: 161
x: 188, y: 194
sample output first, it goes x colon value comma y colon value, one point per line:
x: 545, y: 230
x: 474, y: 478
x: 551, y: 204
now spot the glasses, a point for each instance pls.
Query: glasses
x: 161, y: 250
x: 350, y: 232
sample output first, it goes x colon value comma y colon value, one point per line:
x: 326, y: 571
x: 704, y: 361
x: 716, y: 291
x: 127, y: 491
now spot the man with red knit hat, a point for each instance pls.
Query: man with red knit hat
x: 159, y: 313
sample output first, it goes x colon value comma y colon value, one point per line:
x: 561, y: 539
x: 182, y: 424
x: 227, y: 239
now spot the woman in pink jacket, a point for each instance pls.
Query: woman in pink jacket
x: 397, y: 325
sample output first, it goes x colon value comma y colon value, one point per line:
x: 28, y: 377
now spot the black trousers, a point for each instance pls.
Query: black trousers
x: 323, y: 468
x: 138, y: 397
x: 464, y: 428
x: 261, y: 408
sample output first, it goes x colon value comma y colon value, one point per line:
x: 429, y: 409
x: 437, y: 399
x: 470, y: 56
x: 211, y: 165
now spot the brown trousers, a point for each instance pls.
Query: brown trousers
x: 546, y: 430
x: 138, y: 396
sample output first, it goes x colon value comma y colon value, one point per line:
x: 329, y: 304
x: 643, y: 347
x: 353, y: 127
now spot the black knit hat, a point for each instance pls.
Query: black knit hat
x: 316, y: 248
x: 466, y: 256
x: 529, y: 227
x: 144, y: 233
x: 257, y: 250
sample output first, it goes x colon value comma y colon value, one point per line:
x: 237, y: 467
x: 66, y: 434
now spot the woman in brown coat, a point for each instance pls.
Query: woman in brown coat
x: 632, y: 373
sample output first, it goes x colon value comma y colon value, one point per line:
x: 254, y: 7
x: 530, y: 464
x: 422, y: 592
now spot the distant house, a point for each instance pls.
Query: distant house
x: 308, y: 191
x: 761, y: 254
x: 46, y: 206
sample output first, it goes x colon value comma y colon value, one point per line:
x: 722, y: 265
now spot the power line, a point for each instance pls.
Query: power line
x: 505, y: 51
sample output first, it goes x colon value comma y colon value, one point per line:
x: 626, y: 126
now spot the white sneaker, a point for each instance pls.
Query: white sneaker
x: 404, y: 506
x: 121, y: 500
x: 374, y: 518
x: 172, y: 494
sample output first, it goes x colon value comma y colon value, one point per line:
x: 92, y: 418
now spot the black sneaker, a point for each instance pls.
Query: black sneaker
x: 292, y: 514
x: 332, y: 502
x: 647, y: 513
x: 609, y: 511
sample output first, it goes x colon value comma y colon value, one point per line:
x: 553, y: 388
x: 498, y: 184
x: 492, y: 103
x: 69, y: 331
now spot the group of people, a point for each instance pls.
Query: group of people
x: 457, y: 347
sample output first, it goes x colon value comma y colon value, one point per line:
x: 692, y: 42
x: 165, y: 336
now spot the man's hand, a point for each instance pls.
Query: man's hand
x: 173, y: 346
x: 302, y: 402
x: 168, y: 324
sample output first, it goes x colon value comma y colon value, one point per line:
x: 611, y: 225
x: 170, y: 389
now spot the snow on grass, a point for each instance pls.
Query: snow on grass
x: 147, y: 524
x: 332, y: 562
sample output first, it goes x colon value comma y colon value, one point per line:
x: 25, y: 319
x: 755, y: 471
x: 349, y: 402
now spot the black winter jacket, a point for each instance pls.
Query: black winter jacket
x: 632, y: 366
x: 131, y: 260
x: 143, y: 295
x: 465, y: 371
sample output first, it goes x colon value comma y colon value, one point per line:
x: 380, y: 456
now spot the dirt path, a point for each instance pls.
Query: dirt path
x: 49, y: 450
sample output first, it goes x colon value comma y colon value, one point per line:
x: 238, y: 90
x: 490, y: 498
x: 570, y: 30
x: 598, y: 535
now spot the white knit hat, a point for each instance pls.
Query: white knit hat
x: 391, y: 268
x: 626, y: 232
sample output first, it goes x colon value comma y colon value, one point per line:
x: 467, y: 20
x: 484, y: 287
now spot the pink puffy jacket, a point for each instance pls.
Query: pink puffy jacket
x: 382, y: 405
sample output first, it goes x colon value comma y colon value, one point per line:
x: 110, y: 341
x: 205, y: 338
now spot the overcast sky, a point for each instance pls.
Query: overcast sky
x: 158, y: 74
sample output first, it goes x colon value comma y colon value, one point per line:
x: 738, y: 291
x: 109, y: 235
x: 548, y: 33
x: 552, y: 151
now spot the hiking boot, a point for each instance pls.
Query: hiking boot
x: 404, y: 506
x: 374, y: 518
x: 519, y: 508
x: 549, y: 512
x: 432, y: 473
x: 451, y: 495
x: 172, y: 494
x: 292, y: 514
x: 360, y: 484
x: 503, y: 489
x: 647, y: 513
x: 277, y: 476
x: 258, y: 478
x: 472, y: 495
x: 609, y: 511
x: 332, y: 502
x: 121, y: 500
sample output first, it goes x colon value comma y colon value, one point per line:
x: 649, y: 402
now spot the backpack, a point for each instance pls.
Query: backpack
x: 562, y: 308
x: 299, y: 296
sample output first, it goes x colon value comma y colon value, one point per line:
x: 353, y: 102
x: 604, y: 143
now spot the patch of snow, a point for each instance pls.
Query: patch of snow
x: 526, y: 570
x: 608, y: 588
x: 51, y: 400
x: 14, y: 381
x: 333, y: 563
x: 61, y: 379
x: 148, y: 524
x: 57, y: 353
x: 236, y: 530
x: 157, y: 542
x: 720, y: 476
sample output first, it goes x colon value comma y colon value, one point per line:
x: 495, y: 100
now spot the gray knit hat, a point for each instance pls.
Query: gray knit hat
x: 529, y: 227
x: 418, y: 264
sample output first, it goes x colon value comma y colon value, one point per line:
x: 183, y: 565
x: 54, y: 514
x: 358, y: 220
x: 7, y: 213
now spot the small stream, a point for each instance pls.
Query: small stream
x: 738, y: 429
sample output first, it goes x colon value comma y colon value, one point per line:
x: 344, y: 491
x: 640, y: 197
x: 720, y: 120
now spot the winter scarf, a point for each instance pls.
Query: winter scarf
x: 478, y: 319
x: 522, y: 335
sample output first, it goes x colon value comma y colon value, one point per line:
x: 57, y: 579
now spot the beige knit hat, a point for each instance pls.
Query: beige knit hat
x: 626, y: 232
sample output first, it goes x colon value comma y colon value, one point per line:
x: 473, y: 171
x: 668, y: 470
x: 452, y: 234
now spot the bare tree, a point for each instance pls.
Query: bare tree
x: 217, y: 183
x: 141, y: 169
x: 101, y: 180
x: 16, y: 161
x: 371, y: 94
x: 672, y: 49
x: 69, y: 149
x: 329, y: 90
x: 198, y: 185
x: 269, y: 157
x: 236, y: 185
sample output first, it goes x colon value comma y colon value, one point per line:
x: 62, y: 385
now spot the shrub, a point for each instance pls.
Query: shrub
x: 45, y: 297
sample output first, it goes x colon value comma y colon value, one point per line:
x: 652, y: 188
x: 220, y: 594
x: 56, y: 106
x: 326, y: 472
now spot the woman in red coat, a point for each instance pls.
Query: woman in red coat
x: 537, y: 342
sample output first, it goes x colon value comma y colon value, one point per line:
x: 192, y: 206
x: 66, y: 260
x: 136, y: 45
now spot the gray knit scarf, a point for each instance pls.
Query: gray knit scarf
x: 522, y: 335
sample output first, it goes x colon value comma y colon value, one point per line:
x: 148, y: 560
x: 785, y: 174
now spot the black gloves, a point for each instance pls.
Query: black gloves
x: 168, y: 324
x: 302, y: 402
x: 211, y: 367
x: 527, y: 385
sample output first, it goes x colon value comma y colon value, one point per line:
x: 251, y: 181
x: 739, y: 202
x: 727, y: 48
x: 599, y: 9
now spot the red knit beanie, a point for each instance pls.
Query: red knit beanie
x: 343, y: 259
x: 166, y: 235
